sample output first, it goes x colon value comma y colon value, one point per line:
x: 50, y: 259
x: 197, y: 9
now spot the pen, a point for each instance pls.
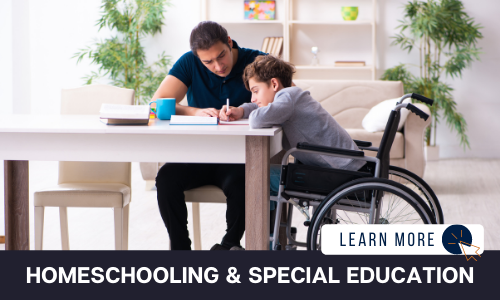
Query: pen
x: 227, y: 108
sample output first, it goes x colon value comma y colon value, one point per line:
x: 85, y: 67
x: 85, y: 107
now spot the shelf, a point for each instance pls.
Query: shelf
x: 310, y: 25
x: 252, y: 22
x: 366, y: 22
x: 327, y: 67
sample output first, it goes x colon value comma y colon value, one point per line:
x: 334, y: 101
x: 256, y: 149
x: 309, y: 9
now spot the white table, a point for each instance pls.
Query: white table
x: 85, y: 138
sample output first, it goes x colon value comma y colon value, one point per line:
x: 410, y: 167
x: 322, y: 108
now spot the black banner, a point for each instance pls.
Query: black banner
x: 242, y: 275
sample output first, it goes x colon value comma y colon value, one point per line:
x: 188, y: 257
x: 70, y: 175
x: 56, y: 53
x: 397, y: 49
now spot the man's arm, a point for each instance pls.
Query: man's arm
x: 171, y: 87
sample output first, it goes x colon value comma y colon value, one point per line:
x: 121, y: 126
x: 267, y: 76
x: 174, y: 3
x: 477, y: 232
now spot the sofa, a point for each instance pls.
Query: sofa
x: 348, y: 102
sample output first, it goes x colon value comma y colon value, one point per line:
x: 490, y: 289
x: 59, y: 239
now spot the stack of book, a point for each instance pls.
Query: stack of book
x: 273, y: 45
x: 348, y: 63
x: 118, y: 114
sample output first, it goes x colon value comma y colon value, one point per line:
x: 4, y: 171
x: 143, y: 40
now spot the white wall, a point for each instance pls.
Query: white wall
x: 5, y: 57
x: 475, y: 93
x: 58, y: 28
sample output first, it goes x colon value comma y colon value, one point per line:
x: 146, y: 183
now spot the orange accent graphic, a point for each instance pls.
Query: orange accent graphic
x: 454, y: 236
x: 468, y: 258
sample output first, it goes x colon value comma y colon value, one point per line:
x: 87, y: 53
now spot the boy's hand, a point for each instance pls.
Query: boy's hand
x: 233, y: 114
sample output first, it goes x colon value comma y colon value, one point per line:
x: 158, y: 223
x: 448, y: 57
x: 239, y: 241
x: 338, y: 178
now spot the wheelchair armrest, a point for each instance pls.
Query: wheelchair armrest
x: 362, y: 143
x: 375, y: 149
x: 324, y: 149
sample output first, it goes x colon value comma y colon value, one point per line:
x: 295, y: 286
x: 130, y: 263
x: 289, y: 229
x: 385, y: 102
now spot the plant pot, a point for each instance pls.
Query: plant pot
x: 431, y: 153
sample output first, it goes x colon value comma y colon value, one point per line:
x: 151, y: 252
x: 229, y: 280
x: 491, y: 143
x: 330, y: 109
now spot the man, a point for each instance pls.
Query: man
x: 209, y: 74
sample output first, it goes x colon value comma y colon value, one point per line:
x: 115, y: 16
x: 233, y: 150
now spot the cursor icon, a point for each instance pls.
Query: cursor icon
x: 470, y: 250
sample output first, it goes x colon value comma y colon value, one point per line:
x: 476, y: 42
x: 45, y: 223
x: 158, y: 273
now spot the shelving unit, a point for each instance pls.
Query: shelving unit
x: 304, y: 24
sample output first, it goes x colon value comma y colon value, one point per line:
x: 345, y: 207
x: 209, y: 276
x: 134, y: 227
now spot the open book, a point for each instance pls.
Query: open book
x: 118, y: 114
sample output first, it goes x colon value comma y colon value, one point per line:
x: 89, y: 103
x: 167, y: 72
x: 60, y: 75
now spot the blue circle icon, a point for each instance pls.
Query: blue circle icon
x: 452, y: 237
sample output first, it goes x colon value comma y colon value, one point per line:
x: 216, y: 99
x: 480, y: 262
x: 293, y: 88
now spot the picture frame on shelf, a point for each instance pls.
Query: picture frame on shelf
x: 260, y: 10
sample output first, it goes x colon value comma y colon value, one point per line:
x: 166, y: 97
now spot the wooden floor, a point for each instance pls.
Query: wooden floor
x: 468, y: 189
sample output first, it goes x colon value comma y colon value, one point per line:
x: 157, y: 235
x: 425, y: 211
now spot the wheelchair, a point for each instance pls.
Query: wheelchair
x: 380, y: 194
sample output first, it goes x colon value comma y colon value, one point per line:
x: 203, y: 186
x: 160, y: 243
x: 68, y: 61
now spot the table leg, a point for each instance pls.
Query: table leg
x: 16, y: 179
x: 257, y: 193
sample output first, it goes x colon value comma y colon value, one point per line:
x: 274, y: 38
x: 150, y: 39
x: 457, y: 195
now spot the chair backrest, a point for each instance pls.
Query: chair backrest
x: 348, y: 101
x: 87, y: 100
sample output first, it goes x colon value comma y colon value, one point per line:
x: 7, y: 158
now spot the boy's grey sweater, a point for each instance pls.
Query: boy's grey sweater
x: 304, y: 120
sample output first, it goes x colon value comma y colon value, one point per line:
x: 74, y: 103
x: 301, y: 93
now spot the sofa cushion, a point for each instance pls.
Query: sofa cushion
x: 397, y: 150
x: 376, y: 119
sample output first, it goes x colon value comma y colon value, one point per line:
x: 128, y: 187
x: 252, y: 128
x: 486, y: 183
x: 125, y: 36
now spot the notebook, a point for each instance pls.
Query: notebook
x: 119, y: 114
x: 192, y: 120
x: 237, y: 122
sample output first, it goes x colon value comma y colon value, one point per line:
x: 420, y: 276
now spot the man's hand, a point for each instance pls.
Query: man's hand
x: 207, y: 112
x: 233, y: 114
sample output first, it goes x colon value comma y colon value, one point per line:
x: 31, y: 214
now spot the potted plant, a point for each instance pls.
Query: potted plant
x: 446, y: 39
x: 121, y: 57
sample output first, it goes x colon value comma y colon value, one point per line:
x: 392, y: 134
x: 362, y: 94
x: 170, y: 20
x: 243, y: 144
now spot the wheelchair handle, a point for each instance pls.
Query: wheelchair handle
x: 422, y: 99
x: 417, y: 111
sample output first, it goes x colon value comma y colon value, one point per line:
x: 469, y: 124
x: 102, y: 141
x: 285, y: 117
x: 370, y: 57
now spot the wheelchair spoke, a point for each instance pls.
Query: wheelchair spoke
x: 348, y: 217
x: 399, y: 217
x: 394, y: 204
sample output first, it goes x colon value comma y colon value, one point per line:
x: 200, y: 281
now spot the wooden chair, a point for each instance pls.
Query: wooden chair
x: 89, y: 184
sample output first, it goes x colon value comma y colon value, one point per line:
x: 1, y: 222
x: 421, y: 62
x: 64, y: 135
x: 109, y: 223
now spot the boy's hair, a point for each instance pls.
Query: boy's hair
x: 205, y: 35
x: 266, y: 67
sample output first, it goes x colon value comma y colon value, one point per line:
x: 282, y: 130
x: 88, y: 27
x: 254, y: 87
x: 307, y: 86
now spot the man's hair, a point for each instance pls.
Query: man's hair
x: 206, y: 34
x: 266, y: 67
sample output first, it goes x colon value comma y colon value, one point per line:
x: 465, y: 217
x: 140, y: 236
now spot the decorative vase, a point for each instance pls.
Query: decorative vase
x: 431, y: 153
x: 315, y: 60
x: 350, y: 13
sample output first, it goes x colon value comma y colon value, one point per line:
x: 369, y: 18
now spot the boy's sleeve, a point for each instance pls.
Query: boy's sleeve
x: 276, y: 113
x: 182, y: 69
x: 248, y: 108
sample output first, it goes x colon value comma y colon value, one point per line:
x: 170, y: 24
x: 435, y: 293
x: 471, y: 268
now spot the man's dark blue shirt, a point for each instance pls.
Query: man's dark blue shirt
x: 206, y: 89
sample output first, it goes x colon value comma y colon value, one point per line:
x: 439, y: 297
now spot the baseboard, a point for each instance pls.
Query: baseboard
x: 150, y: 185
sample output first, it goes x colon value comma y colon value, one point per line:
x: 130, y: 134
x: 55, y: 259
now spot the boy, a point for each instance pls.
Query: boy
x: 276, y: 102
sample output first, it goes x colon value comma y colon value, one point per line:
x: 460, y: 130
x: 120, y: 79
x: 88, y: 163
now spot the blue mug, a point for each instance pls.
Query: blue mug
x: 165, y: 108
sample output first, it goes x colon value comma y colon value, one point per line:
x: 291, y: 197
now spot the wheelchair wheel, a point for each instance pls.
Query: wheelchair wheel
x: 350, y: 204
x: 420, y: 187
